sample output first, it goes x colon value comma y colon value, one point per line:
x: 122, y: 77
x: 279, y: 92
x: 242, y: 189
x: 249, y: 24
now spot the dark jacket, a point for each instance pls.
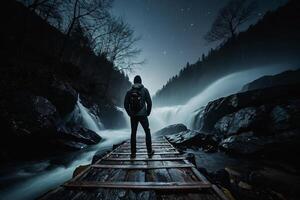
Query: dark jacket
x: 146, y: 99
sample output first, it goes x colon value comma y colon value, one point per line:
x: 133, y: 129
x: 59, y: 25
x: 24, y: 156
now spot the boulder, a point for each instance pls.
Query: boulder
x: 70, y: 145
x: 169, y: 130
x: 249, y: 118
x: 190, y: 138
x: 245, y: 143
x: 185, y: 137
x: 62, y: 95
x: 99, y: 154
x: 285, y: 116
x: 26, y: 114
x: 79, y: 134
x: 269, y: 97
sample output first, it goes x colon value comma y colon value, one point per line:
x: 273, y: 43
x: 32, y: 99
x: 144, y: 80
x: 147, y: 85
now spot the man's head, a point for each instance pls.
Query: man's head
x: 137, y: 79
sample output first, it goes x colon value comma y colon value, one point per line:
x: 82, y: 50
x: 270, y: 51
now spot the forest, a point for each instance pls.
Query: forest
x: 273, y: 40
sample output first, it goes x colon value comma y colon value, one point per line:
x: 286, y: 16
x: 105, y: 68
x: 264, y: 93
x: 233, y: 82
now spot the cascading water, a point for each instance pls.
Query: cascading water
x: 230, y: 84
x: 86, y: 118
x: 125, y: 116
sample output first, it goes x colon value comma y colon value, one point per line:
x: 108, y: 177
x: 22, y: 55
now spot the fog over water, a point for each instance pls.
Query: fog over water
x: 230, y: 84
x: 31, y: 179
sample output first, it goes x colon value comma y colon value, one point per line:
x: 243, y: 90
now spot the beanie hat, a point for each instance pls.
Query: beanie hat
x: 137, y: 79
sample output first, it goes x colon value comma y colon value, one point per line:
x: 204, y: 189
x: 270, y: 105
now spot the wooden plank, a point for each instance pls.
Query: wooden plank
x: 158, y: 153
x: 154, y: 147
x: 139, y: 185
x: 145, y: 159
x: 117, y: 176
x: 204, y: 180
x: 78, y: 175
x: 143, y: 166
x: 145, y: 150
x: 144, y: 146
x: 136, y: 176
x: 153, y: 143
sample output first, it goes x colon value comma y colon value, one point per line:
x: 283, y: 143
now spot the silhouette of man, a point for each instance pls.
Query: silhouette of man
x: 135, y: 105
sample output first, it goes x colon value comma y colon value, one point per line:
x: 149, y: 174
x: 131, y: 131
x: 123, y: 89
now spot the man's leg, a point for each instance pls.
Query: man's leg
x: 145, y: 123
x: 134, y: 124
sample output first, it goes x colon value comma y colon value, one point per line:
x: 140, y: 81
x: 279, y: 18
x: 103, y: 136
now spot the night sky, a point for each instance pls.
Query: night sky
x: 172, y: 32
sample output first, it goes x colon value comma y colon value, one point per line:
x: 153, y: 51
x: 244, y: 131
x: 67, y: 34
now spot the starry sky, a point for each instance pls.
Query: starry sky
x: 172, y: 33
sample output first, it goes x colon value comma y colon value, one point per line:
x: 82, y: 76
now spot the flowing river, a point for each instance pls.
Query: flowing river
x: 28, y: 180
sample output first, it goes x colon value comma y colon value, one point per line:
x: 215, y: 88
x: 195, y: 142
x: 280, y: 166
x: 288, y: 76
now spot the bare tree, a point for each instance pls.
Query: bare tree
x: 87, y: 13
x: 230, y: 18
x: 118, y: 43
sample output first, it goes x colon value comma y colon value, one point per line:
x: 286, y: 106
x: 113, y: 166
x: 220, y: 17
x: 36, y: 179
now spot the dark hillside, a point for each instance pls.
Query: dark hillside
x: 40, y: 87
x: 31, y: 44
x: 274, y: 40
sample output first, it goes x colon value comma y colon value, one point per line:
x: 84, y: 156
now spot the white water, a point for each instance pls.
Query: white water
x: 85, y: 117
x: 38, y: 182
x: 29, y: 183
x: 230, y: 84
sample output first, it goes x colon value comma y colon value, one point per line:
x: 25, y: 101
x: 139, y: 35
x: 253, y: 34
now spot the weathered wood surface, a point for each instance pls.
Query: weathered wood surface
x: 167, y: 175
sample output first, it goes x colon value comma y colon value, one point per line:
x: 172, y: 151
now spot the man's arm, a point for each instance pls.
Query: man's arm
x: 126, y: 104
x: 149, y: 102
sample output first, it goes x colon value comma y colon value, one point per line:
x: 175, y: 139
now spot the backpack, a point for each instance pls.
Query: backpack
x: 135, y: 100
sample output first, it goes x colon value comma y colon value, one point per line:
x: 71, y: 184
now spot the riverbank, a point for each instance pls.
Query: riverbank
x: 28, y: 180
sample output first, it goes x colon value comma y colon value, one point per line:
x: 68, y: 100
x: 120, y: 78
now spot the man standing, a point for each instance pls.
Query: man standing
x: 135, y: 105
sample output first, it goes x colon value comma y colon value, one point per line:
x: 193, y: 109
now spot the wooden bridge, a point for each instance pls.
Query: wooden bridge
x: 167, y: 175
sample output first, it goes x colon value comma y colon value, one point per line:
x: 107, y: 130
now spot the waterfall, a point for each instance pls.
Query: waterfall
x: 125, y: 116
x: 82, y: 115
x: 187, y: 113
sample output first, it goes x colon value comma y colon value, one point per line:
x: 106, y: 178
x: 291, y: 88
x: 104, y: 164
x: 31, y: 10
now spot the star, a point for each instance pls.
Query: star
x: 192, y: 24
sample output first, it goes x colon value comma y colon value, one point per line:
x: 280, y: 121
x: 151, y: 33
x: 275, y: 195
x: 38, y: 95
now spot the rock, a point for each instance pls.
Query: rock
x: 27, y: 115
x: 79, y: 134
x: 62, y: 95
x: 233, y: 172
x: 197, y: 122
x: 185, y: 137
x: 280, y: 118
x: 190, y: 138
x: 285, y: 117
x: 244, y: 185
x: 268, y: 98
x: 245, y: 143
x: 285, y: 78
x: 79, y: 169
x: 33, y: 124
x: 71, y: 145
x: 98, y: 155
x: 256, y: 178
x: 249, y: 118
x: 172, y: 129
x: 191, y: 158
x: 111, y: 116
x: 221, y: 177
